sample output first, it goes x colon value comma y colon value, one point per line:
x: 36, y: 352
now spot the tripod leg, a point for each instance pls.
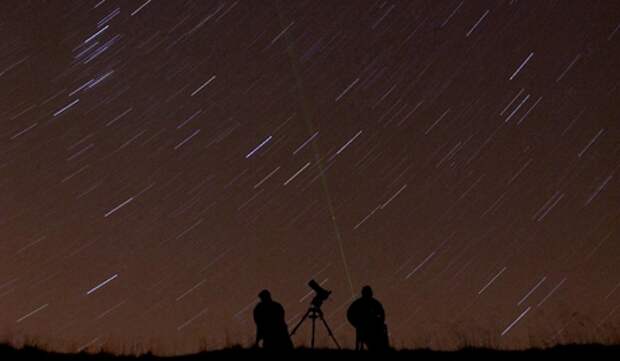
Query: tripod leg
x: 313, y: 330
x: 329, y: 331
x: 299, y: 323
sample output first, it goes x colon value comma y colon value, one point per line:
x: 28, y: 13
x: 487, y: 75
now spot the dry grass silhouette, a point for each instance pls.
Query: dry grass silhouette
x: 36, y: 351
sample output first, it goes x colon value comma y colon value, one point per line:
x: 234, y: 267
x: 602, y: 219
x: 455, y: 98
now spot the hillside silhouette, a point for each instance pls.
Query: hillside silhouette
x: 591, y: 350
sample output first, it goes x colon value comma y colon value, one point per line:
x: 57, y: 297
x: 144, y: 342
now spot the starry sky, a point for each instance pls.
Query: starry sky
x: 161, y: 162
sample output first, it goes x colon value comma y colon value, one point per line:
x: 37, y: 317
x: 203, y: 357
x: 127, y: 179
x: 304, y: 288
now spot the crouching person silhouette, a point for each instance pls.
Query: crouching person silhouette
x: 367, y: 316
x: 271, y: 327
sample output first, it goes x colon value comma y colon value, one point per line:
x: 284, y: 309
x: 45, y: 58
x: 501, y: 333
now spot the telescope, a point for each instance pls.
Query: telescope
x: 321, y: 294
x: 314, y: 312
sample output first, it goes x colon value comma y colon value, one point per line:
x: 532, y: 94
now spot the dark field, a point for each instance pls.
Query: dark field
x: 236, y: 353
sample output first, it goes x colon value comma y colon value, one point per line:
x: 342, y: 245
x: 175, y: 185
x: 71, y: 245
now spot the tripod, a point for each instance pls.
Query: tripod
x: 313, y: 313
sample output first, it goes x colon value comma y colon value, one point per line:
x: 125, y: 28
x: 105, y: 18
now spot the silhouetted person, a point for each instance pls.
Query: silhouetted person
x: 271, y: 327
x: 366, y: 314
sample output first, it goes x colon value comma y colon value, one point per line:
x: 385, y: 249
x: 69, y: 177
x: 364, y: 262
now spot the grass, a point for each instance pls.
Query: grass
x: 592, y: 350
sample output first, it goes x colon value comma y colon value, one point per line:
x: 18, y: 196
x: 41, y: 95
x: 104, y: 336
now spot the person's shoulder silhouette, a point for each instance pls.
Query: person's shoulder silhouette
x: 271, y: 326
x: 365, y: 309
x: 267, y: 309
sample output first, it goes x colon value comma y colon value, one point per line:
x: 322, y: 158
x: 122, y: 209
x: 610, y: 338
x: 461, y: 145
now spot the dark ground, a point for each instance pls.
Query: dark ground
x: 579, y: 351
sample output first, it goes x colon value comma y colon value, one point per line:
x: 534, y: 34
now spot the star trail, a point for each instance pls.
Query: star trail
x: 161, y: 162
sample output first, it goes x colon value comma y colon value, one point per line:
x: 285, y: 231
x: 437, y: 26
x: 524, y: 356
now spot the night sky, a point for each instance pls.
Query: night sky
x: 161, y: 162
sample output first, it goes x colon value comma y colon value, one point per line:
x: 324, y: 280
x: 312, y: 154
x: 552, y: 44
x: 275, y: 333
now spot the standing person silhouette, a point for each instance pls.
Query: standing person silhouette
x: 271, y: 327
x: 366, y: 314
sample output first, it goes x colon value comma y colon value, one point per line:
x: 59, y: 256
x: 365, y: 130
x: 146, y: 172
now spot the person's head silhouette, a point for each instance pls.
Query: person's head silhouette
x: 367, y: 292
x: 264, y: 296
